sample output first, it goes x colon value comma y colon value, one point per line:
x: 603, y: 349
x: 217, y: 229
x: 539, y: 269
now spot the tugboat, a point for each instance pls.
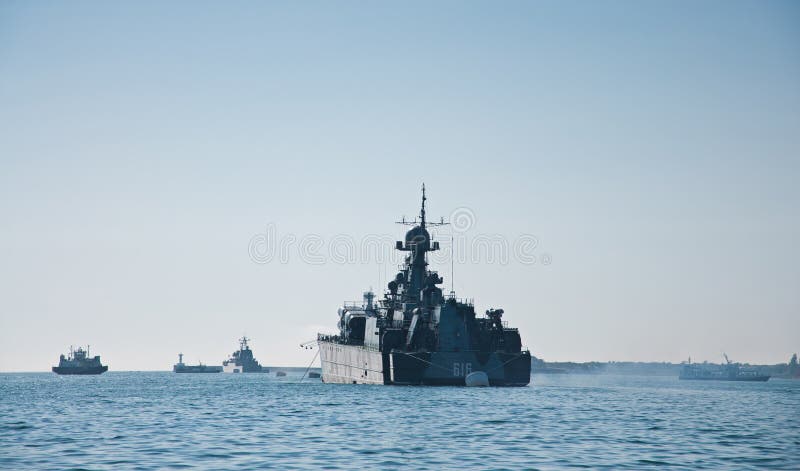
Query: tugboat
x: 727, y: 372
x: 78, y: 362
x: 180, y: 367
x: 416, y: 336
x: 242, y: 361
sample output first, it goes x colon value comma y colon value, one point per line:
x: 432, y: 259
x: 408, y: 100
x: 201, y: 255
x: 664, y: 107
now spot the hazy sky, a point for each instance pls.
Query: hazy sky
x: 652, y: 148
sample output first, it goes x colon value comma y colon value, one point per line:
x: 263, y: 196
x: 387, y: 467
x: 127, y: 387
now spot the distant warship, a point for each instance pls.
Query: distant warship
x: 414, y: 335
x: 727, y: 372
x: 180, y: 367
x: 78, y: 362
x: 242, y: 361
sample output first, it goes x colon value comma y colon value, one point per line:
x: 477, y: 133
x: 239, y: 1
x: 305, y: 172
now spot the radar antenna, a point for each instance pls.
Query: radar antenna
x: 423, y: 221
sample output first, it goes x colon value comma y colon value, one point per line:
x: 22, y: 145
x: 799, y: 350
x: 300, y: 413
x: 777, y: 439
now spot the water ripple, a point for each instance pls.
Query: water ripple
x: 161, y: 420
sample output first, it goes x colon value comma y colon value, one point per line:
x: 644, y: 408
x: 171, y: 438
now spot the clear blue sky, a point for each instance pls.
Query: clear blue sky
x: 652, y: 147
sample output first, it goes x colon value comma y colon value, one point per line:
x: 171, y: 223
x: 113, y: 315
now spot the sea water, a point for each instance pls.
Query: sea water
x: 164, y: 420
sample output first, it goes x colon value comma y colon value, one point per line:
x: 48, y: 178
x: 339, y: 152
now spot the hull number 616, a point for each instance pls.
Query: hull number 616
x: 462, y: 369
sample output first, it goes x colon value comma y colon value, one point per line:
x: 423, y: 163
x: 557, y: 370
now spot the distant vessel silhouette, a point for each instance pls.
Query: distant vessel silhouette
x: 180, y: 367
x: 728, y: 372
x: 242, y: 360
x: 78, y: 362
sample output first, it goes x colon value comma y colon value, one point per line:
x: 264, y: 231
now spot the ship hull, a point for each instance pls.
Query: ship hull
x: 89, y: 370
x: 354, y: 364
x: 234, y: 368
x: 351, y: 364
x: 197, y: 369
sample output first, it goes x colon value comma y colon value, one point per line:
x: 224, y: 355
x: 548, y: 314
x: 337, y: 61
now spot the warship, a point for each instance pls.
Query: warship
x: 181, y: 367
x: 242, y: 360
x: 78, y: 362
x: 727, y: 372
x: 417, y: 336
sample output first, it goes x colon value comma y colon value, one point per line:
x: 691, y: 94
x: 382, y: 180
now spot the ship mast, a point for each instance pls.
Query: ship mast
x: 418, y: 242
x: 422, y: 211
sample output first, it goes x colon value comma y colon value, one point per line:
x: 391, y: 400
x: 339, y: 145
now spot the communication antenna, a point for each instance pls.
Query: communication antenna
x: 422, y: 220
x: 452, y: 265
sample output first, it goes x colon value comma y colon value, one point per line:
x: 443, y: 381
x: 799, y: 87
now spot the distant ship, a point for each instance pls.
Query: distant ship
x: 242, y: 361
x: 180, y: 367
x: 416, y: 336
x: 727, y: 372
x: 78, y: 362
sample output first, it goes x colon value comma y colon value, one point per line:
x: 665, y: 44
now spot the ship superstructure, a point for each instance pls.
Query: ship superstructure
x: 242, y: 360
x: 78, y: 362
x: 416, y: 335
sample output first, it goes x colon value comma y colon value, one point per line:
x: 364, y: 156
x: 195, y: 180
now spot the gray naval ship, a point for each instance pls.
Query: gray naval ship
x: 416, y: 336
x: 728, y: 372
x: 78, y: 362
x: 243, y: 361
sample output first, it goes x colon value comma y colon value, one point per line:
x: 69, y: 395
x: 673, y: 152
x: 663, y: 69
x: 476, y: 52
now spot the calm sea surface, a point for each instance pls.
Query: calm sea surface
x: 162, y: 420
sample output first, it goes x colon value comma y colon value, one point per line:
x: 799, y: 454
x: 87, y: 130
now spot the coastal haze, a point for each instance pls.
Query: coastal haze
x: 150, y: 155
